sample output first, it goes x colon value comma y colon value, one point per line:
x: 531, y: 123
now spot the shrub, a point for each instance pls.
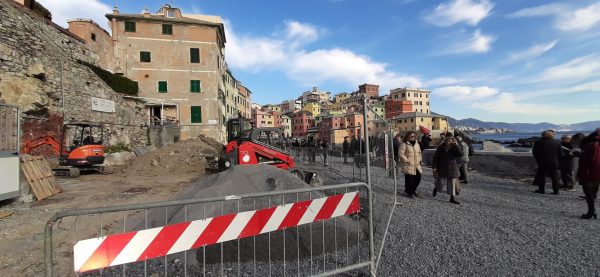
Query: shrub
x: 119, y: 147
x: 118, y: 83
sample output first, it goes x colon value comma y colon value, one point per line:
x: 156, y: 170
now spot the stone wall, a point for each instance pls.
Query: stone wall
x: 502, y: 164
x: 39, y: 73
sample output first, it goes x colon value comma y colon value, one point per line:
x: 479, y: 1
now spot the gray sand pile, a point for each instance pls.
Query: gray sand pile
x: 301, y: 242
x: 187, y: 156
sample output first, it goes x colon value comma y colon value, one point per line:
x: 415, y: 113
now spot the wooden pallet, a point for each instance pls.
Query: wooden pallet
x: 40, y: 176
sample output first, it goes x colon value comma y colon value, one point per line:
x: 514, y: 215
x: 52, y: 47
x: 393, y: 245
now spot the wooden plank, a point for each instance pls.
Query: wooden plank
x: 4, y: 214
x: 39, y: 175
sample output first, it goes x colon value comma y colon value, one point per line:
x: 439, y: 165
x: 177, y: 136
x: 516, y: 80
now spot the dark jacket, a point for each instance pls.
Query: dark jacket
x: 566, y: 156
x: 425, y: 141
x: 346, y: 147
x: 547, y: 152
x: 589, y: 164
x: 396, y: 143
x: 444, y: 161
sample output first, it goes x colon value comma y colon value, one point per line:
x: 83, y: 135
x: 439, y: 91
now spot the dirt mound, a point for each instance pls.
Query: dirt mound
x: 187, y: 156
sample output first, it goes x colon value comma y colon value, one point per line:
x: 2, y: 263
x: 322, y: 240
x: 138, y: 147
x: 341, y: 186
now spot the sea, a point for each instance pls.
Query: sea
x: 509, y: 137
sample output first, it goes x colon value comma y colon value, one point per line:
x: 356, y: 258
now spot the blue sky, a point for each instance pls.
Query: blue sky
x: 509, y: 60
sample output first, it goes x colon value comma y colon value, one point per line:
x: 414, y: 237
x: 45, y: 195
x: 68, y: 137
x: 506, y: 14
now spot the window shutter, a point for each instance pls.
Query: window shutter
x: 196, y: 114
x: 162, y: 86
x: 195, y: 55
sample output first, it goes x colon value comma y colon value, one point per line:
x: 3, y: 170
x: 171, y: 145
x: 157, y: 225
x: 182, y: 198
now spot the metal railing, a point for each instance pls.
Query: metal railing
x: 322, y: 248
x: 370, y: 161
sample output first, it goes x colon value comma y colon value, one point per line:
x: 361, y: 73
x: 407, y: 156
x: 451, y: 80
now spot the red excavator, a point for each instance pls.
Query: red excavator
x: 247, y: 145
x: 80, y: 148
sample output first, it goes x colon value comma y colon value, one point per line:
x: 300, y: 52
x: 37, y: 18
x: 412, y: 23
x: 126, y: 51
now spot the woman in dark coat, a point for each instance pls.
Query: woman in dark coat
x: 589, y: 173
x: 445, y: 168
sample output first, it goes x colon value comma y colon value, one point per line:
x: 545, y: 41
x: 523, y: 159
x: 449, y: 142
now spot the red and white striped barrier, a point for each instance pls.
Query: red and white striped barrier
x: 136, y: 246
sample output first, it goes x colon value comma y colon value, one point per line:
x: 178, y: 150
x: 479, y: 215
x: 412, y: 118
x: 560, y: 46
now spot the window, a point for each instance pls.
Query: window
x: 167, y: 29
x: 195, y: 86
x: 145, y: 57
x: 195, y: 56
x: 196, y: 114
x: 171, y: 13
x: 130, y: 26
x: 403, y: 95
x: 93, y: 37
x: 162, y: 86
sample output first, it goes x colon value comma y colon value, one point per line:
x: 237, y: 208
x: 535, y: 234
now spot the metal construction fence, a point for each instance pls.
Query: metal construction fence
x: 370, y: 160
x: 302, y: 232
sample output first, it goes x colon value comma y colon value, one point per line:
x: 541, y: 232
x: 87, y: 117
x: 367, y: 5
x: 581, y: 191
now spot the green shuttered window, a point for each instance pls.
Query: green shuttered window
x: 196, y: 114
x: 195, y: 86
x: 195, y: 55
x: 167, y: 29
x: 162, y: 86
x: 130, y: 26
x: 145, y: 57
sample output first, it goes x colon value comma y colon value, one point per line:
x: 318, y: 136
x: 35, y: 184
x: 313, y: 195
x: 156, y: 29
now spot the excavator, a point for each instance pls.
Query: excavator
x: 248, y: 145
x: 80, y: 148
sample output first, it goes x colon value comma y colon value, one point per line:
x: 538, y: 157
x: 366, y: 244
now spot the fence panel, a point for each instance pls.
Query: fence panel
x: 302, y: 232
x: 371, y: 160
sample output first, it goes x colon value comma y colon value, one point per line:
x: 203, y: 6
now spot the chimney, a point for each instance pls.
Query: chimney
x: 146, y: 13
x: 115, y: 10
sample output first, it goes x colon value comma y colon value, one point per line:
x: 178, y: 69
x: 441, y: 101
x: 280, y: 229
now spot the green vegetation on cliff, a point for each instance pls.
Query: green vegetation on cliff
x: 118, y: 83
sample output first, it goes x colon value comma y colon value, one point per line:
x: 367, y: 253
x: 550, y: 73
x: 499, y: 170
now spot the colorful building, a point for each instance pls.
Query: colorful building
x: 302, y: 121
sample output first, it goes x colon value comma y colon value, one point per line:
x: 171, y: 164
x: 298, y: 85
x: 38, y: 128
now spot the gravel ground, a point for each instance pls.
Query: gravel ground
x: 500, y: 228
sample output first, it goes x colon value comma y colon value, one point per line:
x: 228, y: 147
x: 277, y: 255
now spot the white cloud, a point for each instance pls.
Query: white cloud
x: 580, y: 68
x: 251, y: 53
x: 581, y: 19
x: 531, y: 53
x: 509, y: 103
x: 301, y: 31
x: 566, y: 18
x: 543, y: 10
x: 478, y: 43
x: 63, y: 10
x: 456, y: 11
x: 466, y: 93
x: 443, y: 81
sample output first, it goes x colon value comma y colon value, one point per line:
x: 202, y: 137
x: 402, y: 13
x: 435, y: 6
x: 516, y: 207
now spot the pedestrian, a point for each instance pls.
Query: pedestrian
x: 425, y: 141
x: 445, y: 169
x: 396, y: 145
x: 589, y: 173
x: 547, y: 152
x: 576, y: 142
x: 565, y: 163
x: 463, y: 161
x: 325, y: 147
x: 345, y: 149
x: 409, y: 154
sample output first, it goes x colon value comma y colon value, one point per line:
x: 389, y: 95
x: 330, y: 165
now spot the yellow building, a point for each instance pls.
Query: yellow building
x: 314, y: 108
x: 411, y: 122
x: 418, y: 97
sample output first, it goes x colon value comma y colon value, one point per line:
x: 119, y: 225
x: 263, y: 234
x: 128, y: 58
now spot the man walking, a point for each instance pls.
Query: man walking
x: 547, y: 153
x: 345, y: 149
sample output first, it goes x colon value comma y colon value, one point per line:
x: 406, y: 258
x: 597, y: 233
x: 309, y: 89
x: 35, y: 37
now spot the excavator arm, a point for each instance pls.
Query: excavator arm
x: 29, y: 145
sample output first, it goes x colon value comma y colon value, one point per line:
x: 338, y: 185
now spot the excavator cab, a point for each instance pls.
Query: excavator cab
x: 81, y: 145
x: 236, y: 126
